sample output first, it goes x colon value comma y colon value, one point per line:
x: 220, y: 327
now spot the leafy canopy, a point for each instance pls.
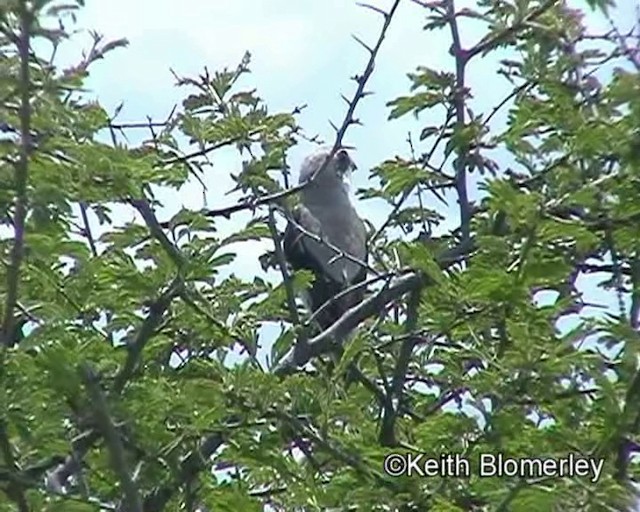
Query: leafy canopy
x: 116, y: 387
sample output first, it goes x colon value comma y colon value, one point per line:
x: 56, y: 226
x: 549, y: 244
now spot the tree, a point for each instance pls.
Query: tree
x: 115, y: 389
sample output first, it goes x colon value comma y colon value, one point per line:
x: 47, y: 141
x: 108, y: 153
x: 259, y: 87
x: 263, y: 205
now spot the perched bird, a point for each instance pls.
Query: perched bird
x: 325, y: 211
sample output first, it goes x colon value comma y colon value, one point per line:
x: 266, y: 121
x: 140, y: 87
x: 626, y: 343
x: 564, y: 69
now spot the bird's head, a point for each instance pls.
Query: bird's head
x: 336, y: 172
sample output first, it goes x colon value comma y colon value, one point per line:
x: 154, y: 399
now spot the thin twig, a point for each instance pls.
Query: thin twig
x: 520, y: 89
x: 407, y: 193
x: 87, y: 229
x: 495, y: 40
x: 123, y: 126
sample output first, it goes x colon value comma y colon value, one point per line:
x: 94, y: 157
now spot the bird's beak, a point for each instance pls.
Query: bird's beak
x: 345, y: 164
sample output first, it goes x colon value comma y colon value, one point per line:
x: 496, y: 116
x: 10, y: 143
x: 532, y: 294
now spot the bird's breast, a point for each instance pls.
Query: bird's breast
x: 342, y: 228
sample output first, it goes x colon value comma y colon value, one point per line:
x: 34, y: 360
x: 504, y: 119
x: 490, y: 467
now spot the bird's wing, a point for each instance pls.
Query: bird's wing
x: 331, y: 278
x: 295, y: 248
x: 305, y: 252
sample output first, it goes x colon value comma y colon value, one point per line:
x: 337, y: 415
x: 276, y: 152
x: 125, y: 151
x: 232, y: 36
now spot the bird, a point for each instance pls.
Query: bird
x: 325, y: 227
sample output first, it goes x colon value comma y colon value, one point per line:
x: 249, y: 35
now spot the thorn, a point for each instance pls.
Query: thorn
x: 333, y: 126
x: 373, y: 8
x: 299, y: 109
x: 355, y: 78
x: 345, y: 99
x: 366, y: 93
x: 439, y: 196
x: 368, y: 48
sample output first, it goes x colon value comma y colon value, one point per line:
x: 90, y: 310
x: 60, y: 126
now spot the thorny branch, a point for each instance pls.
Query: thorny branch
x: 460, y: 164
x: 254, y: 202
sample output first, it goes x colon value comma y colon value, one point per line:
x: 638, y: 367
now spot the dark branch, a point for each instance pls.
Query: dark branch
x: 21, y: 175
x: 132, y: 500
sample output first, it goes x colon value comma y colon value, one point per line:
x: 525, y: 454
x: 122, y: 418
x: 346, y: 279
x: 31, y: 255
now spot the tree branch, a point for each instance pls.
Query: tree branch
x: 394, y: 394
x: 460, y: 164
x: 21, y: 173
x: 323, y: 342
x: 132, y: 500
x: 144, y: 334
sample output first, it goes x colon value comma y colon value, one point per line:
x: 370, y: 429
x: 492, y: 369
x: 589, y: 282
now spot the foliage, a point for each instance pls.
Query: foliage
x: 115, y: 346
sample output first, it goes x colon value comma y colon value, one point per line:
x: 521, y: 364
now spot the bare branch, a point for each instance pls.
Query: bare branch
x: 373, y: 8
x: 362, y: 43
